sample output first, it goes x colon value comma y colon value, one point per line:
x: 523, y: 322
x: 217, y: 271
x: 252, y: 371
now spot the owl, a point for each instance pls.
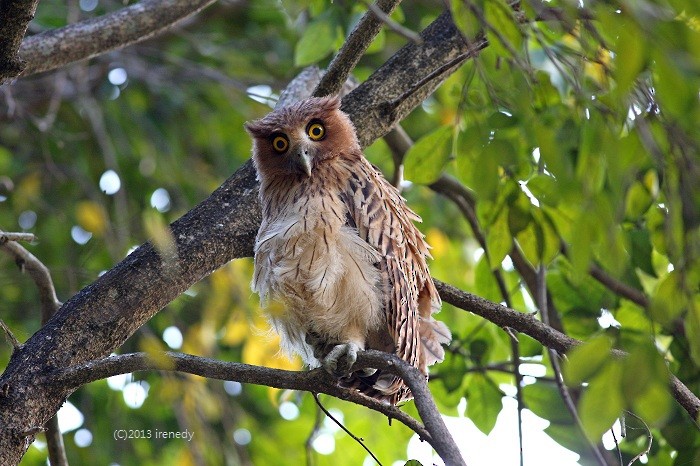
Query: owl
x: 338, y: 251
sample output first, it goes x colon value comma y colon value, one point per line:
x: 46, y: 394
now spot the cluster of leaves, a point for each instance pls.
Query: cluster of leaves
x: 575, y: 137
x: 578, y: 141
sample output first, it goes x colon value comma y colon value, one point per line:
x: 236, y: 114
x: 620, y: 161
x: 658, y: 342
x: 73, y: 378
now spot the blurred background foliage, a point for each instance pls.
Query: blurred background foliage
x: 573, y: 138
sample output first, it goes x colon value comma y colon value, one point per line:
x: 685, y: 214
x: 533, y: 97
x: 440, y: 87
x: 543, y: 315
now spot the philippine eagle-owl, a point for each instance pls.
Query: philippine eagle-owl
x: 338, y: 249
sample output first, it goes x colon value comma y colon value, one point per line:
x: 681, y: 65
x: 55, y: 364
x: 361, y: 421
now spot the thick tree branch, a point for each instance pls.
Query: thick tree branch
x: 14, y: 17
x: 58, y: 47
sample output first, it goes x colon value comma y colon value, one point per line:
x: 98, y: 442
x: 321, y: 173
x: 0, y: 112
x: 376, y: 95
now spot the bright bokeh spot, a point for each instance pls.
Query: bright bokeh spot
x: 242, y: 436
x: 135, y: 394
x: 110, y: 182
x: 117, y: 76
x: 172, y: 337
x: 289, y: 410
x: 83, y: 438
x: 160, y: 200
x: 324, y: 444
x: 69, y: 418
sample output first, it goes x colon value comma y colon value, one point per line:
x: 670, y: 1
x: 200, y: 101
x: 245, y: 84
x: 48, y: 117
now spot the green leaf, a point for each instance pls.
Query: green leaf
x: 466, y: 21
x: 545, y: 401
x: 452, y: 372
x: 692, y: 328
x: 629, y: 54
x: 585, y: 361
x: 637, y: 201
x: 316, y: 42
x: 484, y: 283
x: 602, y: 402
x: 545, y: 189
x: 510, y: 38
x: 426, y: 159
x: 413, y: 463
x: 499, y: 240
x: 669, y: 301
x: 483, y: 402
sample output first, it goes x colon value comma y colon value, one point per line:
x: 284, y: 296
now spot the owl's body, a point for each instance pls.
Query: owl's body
x: 337, y: 247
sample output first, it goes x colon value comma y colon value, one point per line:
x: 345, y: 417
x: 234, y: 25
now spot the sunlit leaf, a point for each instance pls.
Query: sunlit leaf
x: 602, y: 401
x: 483, y: 402
x: 545, y: 401
x: 585, y: 361
x: 316, y: 42
x: 426, y: 159
x: 499, y: 240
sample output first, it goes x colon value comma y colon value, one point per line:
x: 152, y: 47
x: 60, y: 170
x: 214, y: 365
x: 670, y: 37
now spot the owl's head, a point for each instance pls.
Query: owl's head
x: 296, y: 140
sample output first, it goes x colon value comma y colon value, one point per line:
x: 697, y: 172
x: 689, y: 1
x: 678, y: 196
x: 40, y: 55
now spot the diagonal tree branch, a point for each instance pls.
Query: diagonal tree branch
x: 134, y: 23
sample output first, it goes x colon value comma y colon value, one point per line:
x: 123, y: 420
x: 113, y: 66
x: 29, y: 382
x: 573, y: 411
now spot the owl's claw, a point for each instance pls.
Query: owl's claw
x: 340, y: 359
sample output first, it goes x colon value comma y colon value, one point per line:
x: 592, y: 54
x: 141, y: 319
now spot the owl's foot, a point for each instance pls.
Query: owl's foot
x: 340, y: 359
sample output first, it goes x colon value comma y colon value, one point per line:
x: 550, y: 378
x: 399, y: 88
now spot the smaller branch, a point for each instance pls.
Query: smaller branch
x: 353, y: 49
x: 10, y: 336
x: 38, y: 273
x: 618, y: 287
x: 393, y: 25
x: 345, y: 429
x: 7, y: 237
x: 649, y: 437
x: 315, y: 381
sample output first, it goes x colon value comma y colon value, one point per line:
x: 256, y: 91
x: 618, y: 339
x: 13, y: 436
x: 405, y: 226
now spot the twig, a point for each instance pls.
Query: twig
x: 649, y: 437
x: 345, y: 429
x: 541, y: 300
x: 10, y: 336
x: 393, y: 25
x: 618, y: 287
x: 312, y: 436
x: 354, y: 47
x: 38, y: 273
x: 7, y: 237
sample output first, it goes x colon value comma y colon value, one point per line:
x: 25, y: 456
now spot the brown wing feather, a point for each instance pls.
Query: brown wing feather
x: 385, y: 221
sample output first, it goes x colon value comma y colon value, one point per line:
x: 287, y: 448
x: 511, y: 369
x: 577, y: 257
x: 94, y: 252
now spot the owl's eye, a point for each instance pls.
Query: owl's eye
x: 316, y: 130
x: 280, y: 143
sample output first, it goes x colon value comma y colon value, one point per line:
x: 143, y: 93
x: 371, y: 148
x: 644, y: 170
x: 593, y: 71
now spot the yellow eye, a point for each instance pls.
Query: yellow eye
x: 280, y: 144
x: 316, y: 131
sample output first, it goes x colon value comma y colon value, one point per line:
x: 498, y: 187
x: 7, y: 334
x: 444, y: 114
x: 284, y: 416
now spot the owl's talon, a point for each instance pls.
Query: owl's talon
x: 341, y: 358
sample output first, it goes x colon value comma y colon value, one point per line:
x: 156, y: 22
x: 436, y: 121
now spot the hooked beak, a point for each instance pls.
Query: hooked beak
x: 303, y: 161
